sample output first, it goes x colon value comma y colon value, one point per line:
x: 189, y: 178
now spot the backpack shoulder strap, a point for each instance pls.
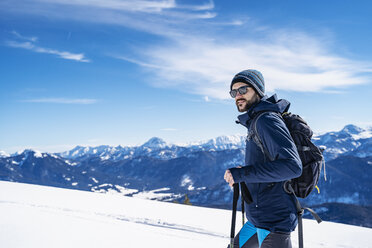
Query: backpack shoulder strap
x: 256, y: 137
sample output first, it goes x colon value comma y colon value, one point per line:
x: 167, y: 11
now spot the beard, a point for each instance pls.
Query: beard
x: 244, y: 106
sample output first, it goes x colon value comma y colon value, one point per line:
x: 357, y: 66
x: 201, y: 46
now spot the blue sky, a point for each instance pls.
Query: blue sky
x: 118, y: 72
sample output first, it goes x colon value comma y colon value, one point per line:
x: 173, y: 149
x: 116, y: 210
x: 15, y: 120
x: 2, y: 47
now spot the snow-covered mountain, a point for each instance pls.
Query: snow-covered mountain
x: 169, y: 172
x: 346, y: 141
x: 155, y: 147
x: 351, y: 139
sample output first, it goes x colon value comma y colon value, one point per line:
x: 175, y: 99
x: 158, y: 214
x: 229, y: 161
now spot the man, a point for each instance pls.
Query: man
x: 272, y: 215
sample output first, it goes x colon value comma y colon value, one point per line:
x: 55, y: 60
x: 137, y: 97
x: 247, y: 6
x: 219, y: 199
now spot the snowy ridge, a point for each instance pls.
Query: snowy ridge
x: 351, y: 138
x: 27, y: 154
x: 220, y: 141
x: 30, y: 152
x: 155, y: 147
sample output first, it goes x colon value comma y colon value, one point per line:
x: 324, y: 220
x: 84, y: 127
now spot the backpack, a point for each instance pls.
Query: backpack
x: 311, y: 156
x: 312, y: 161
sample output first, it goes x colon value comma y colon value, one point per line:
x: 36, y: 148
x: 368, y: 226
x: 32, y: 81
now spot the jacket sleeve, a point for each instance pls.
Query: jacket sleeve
x: 285, y: 163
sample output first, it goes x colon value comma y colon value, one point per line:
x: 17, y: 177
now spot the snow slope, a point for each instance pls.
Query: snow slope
x: 39, y: 216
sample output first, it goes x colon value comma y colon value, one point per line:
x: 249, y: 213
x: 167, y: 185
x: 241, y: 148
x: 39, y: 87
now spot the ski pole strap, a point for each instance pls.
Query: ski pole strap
x: 300, y: 211
x: 243, y: 220
x: 314, y: 214
x: 242, y: 202
x: 234, y: 208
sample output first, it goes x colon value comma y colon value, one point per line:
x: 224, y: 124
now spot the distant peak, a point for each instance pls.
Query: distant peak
x: 352, y: 129
x: 229, y: 139
x: 155, y: 142
x: 35, y: 153
x: 77, y: 147
x: 28, y: 151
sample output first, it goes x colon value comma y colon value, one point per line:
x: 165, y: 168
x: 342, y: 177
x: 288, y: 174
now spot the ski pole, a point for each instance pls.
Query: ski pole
x: 235, y: 203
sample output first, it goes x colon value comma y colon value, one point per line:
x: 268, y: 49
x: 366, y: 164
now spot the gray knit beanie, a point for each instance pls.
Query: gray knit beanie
x: 251, y: 77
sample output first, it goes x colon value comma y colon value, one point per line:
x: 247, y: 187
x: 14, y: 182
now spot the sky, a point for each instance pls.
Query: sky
x: 118, y: 72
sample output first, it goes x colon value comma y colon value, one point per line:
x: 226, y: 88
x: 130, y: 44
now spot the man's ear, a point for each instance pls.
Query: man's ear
x: 258, y: 97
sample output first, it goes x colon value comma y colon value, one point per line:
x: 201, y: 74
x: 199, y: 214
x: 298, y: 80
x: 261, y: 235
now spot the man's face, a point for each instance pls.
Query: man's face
x: 245, y: 101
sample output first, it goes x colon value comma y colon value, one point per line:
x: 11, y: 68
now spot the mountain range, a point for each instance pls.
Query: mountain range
x: 171, y: 172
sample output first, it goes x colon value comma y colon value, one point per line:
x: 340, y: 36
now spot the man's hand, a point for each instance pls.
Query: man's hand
x: 229, y: 178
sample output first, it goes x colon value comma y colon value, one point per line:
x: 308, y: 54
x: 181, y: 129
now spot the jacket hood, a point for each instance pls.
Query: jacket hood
x: 265, y: 104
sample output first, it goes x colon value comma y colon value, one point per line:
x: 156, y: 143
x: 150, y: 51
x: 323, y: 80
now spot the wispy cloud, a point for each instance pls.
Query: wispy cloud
x: 201, y: 56
x: 63, y: 100
x: 124, y: 5
x: 19, y: 36
x: 28, y: 43
x: 157, y: 17
x: 136, y: 61
x: 289, y: 60
x: 147, y: 6
x: 62, y: 54
x: 204, y: 6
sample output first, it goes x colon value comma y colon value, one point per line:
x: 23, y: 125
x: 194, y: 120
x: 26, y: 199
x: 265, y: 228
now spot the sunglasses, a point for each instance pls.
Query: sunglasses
x: 242, y: 90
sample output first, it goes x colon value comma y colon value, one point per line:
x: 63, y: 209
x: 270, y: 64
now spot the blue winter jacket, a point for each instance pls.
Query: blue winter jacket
x: 272, y: 208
